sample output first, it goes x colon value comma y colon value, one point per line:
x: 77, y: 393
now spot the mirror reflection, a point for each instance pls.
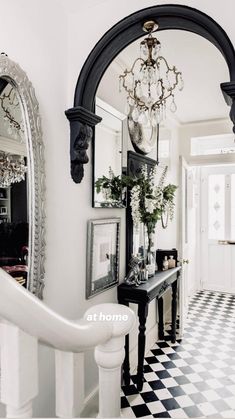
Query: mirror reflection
x: 14, y: 218
x: 108, y: 157
x: 121, y: 129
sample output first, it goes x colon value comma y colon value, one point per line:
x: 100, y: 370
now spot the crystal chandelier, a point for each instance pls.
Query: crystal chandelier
x: 12, y: 169
x: 150, y: 83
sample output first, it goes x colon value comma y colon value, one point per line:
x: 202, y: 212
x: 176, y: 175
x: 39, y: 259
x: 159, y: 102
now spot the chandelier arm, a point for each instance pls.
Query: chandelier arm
x: 161, y: 58
x: 131, y: 69
x: 134, y: 63
x: 163, y: 99
x: 130, y: 93
x: 176, y: 73
x: 126, y: 72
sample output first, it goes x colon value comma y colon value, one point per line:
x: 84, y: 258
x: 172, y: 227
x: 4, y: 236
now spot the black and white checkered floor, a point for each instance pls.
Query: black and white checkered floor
x: 194, y: 377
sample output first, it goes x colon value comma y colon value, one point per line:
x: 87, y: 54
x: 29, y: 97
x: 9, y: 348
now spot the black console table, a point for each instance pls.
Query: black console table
x: 154, y: 288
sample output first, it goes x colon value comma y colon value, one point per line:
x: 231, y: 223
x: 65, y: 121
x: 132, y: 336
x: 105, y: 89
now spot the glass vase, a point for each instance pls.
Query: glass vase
x: 150, y: 257
x: 136, y: 240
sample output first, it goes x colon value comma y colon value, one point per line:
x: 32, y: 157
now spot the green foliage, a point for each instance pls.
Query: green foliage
x: 169, y: 192
x: 153, y: 200
x: 114, y: 185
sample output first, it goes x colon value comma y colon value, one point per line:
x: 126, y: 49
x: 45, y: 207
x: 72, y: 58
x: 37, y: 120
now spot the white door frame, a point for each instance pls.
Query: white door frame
x: 183, y: 243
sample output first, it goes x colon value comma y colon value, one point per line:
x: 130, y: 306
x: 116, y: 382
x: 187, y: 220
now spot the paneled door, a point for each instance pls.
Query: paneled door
x: 217, y: 228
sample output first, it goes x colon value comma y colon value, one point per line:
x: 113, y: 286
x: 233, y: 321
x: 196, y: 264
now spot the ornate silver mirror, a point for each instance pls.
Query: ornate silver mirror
x: 21, y: 179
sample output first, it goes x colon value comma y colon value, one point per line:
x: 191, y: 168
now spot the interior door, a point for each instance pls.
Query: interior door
x: 184, y: 245
x: 217, y: 228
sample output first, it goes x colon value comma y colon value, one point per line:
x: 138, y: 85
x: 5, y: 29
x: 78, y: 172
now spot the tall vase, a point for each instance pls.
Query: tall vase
x: 151, y: 258
x: 136, y: 240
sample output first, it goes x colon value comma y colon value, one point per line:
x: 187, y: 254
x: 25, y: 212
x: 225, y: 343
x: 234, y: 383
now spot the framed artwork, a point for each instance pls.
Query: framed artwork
x: 102, y: 255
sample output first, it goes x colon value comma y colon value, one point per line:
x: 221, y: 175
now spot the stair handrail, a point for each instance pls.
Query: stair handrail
x: 32, y: 316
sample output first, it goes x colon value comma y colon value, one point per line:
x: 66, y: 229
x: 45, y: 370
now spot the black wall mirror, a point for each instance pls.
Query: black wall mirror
x: 108, y: 152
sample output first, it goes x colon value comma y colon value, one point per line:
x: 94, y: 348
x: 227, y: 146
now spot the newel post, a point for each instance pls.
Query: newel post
x: 19, y: 371
x: 109, y: 356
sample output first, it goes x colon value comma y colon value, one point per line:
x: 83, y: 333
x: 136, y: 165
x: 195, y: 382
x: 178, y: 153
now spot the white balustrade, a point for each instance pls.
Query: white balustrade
x: 19, y: 371
x: 69, y: 384
x: 103, y: 328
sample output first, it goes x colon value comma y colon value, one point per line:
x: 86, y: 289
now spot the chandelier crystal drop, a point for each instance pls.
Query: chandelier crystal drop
x: 150, y: 83
x: 12, y: 169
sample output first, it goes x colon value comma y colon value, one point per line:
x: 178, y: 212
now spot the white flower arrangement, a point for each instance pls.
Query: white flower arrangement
x: 149, y: 201
x: 135, y: 212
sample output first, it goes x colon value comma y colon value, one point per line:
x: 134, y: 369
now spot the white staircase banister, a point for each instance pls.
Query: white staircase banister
x: 31, y: 315
x: 103, y: 326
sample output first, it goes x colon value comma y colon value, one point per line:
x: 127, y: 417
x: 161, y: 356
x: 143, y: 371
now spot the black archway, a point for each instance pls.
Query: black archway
x: 81, y: 116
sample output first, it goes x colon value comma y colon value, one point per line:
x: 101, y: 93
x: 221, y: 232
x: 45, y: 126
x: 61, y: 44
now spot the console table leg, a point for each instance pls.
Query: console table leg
x: 173, y: 311
x: 126, y: 363
x: 142, y: 314
x: 160, y: 319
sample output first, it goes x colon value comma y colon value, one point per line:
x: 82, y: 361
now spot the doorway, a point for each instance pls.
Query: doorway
x: 217, y: 228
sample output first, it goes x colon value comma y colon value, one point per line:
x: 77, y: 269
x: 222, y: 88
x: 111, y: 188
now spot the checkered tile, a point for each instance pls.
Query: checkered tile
x: 194, y: 377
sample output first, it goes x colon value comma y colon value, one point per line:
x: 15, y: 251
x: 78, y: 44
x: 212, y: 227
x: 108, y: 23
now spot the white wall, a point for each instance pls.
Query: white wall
x: 30, y: 38
x: 200, y: 129
x: 51, y: 44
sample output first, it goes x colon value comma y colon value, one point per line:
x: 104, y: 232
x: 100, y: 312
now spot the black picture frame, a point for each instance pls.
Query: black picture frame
x: 103, y: 244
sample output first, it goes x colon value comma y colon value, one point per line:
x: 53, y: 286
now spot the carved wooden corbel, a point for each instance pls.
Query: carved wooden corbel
x: 82, y: 124
x: 228, y: 90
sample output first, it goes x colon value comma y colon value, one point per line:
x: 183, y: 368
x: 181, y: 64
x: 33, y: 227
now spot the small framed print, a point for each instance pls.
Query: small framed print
x: 102, y: 255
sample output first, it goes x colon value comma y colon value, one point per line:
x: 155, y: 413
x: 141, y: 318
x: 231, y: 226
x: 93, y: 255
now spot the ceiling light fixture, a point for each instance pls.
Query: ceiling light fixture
x: 150, y: 83
x: 12, y: 169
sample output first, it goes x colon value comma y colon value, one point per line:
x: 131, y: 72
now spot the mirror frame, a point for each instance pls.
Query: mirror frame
x: 13, y: 73
x: 168, y: 16
x: 121, y: 117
